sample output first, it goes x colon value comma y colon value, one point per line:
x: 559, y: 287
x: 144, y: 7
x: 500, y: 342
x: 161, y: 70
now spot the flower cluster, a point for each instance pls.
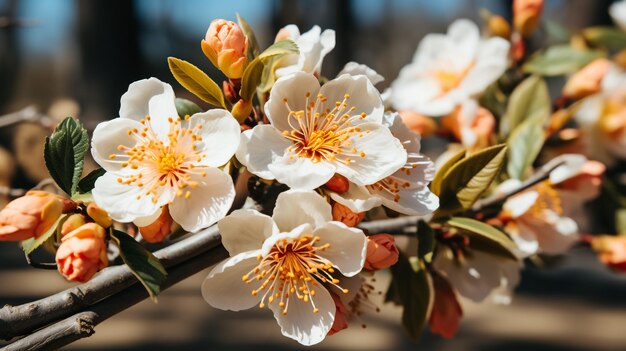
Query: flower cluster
x: 291, y: 165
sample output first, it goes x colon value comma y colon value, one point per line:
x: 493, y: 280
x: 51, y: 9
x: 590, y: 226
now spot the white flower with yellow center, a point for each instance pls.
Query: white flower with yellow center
x: 153, y: 159
x: 287, y: 262
x: 406, y: 190
x: 448, y: 69
x: 317, y: 132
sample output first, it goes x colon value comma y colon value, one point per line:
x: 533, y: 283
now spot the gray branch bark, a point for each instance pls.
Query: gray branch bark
x: 23, y: 319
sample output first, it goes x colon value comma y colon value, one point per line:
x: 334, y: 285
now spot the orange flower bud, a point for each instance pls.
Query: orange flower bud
x: 343, y: 214
x: 381, y: 252
x: 418, y: 123
x: 499, y: 27
x: 611, y: 250
x: 341, y: 316
x: 473, y: 130
x: 226, y: 45
x: 29, y: 216
x: 99, y: 215
x: 588, y: 80
x: 446, y: 312
x: 82, y: 253
x: 72, y: 223
x: 338, y: 184
x: 159, y: 229
x: 526, y: 15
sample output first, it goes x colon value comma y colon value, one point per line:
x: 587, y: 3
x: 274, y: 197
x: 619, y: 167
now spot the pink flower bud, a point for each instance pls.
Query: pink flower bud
x: 474, y: 127
x: 341, y: 316
x: 338, y: 184
x: 418, y: 123
x: 381, y: 252
x: 159, y: 229
x: 611, y: 250
x: 588, y: 80
x: 30, y: 215
x: 446, y: 312
x: 82, y: 253
x: 526, y: 14
x: 225, y: 45
x: 343, y: 214
x: 99, y: 215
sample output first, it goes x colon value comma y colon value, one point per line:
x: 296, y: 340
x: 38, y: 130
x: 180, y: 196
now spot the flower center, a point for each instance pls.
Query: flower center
x: 324, y: 134
x: 158, y: 165
x: 548, y: 199
x: 292, y: 268
x: 449, y: 79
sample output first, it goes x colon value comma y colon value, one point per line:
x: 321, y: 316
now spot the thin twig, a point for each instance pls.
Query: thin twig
x: 23, y: 319
x: 82, y: 324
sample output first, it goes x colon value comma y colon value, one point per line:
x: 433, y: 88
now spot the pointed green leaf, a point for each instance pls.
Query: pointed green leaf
x: 529, y: 100
x: 64, y: 154
x: 147, y: 268
x: 606, y: 37
x: 33, y: 243
x: 425, y: 241
x: 410, y: 289
x: 253, y: 44
x: 196, y: 81
x: 525, y: 143
x: 559, y: 60
x: 254, y: 71
x: 87, y: 184
x: 435, y: 185
x: 468, y: 179
x: 185, y: 107
x: 485, y: 237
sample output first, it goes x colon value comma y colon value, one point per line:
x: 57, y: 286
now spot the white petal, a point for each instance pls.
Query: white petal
x: 294, y: 88
x: 150, y: 97
x: 223, y: 288
x: 220, y: 135
x: 617, y: 10
x: 301, y: 324
x: 245, y: 230
x: 362, y: 95
x: 383, y: 155
x: 409, y: 139
x: 357, y: 198
x: 519, y: 204
x: 147, y: 220
x: 524, y: 237
x: 558, y: 233
x: 296, y: 207
x: 120, y: 200
x: 412, y: 202
x: 313, y: 48
x: 209, y: 201
x: 415, y: 93
x: 354, y: 69
x: 290, y: 236
x: 490, y: 64
x: 300, y: 172
x: 348, y: 247
x: 107, y: 137
x: 260, y: 147
x: 571, y: 165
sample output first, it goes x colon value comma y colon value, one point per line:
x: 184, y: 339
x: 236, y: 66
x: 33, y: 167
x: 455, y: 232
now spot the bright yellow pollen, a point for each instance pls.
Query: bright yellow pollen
x: 161, y: 165
x: 292, y: 268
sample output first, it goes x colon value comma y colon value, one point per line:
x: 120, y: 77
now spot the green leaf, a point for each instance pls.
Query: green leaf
x: 87, y: 184
x: 485, y: 237
x: 64, y: 154
x: 620, y: 221
x: 185, y: 107
x: 469, y: 178
x: 147, y: 268
x: 524, y: 145
x: 253, y: 44
x: 559, y: 60
x: 254, y: 71
x: 606, y: 37
x: 435, y: 185
x: 196, y: 81
x: 410, y: 289
x: 529, y: 100
x: 425, y: 241
x: 31, y: 244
